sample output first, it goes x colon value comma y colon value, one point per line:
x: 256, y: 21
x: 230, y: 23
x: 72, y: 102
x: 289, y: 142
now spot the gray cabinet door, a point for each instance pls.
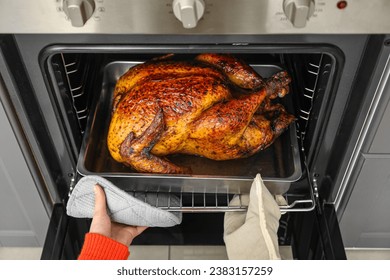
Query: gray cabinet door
x: 23, y: 219
x: 381, y: 142
x: 366, y: 220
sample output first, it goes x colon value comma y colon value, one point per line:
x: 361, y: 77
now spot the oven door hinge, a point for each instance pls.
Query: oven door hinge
x: 71, y: 185
x: 315, y: 188
x: 316, y: 196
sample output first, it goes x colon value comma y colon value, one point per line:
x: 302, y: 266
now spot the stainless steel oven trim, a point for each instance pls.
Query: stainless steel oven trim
x: 221, y: 17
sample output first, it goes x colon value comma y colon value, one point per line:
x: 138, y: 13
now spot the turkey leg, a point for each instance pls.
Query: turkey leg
x: 136, y: 150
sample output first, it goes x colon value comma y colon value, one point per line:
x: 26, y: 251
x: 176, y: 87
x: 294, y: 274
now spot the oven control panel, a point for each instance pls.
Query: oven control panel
x: 195, y: 16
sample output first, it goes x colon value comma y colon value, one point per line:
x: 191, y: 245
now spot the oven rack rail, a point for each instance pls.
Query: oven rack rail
x: 313, y: 71
x: 76, y: 70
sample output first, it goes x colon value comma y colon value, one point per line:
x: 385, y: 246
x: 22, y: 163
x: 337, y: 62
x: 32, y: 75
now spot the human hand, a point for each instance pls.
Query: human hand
x: 101, y: 222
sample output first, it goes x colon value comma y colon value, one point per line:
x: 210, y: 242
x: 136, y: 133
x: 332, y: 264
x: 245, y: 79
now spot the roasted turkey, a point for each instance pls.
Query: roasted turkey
x: 215, y: 106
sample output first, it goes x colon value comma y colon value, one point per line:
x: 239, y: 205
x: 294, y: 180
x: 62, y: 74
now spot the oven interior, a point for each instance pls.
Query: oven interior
x: 76, y: 74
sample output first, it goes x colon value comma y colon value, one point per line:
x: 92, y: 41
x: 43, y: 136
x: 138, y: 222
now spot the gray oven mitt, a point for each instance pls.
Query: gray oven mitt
x: 123, y: 207
x: 252, y: 235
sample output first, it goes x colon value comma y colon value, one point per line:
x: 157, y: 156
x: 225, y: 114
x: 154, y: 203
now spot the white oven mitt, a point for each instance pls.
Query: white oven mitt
x: 252, y: 235
x: 123, y: 207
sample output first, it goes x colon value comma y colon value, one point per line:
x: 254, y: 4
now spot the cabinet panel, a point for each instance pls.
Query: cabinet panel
x: 381, y: 142
x: 366, y: 222
x: 23, y: 219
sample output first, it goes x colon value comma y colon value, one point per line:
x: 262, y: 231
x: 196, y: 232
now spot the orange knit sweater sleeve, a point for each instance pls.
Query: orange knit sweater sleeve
x: 100, y: 247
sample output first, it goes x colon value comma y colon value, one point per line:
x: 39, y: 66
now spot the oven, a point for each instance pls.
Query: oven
x: 61, y: 59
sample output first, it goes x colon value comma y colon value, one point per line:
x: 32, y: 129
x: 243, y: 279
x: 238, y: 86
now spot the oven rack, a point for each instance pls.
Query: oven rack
x: 219, y: 202
x: 195, y: 202
x: 204, y: 202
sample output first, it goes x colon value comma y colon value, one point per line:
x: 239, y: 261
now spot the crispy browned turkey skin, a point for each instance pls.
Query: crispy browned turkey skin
x: 215, y: 106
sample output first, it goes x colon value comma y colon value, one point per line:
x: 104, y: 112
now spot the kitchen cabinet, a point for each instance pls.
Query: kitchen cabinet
x: 365, y: 222
x: 23, y: 218
x: 381, y: 142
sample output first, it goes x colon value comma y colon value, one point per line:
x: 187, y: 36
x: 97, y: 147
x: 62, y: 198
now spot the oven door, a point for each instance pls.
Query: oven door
x: 311, y: 229
x: 311, y: 235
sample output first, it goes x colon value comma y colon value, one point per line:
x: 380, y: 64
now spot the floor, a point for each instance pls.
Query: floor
x: 20, y: 253
x: 367, y: 254
x: 144, y: 253
x: 188, y: 253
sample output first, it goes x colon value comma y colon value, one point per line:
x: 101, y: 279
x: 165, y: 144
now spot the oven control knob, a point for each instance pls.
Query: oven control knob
x: 79, y: 11
x: 188, y: 12
x: 298, y: 11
